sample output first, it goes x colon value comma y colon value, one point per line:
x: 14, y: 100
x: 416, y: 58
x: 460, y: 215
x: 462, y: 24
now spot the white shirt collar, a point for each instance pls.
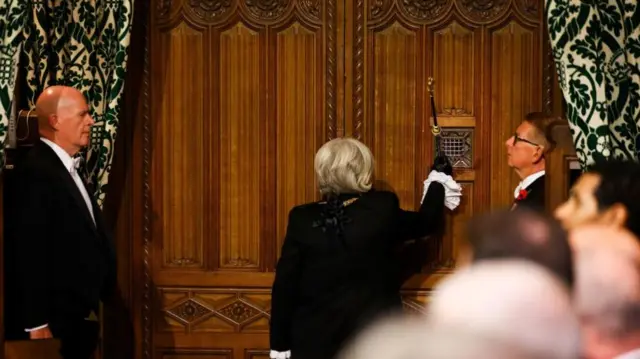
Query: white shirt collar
x: 632, y: 354
x: 525, y: 183
x: 68, y: 162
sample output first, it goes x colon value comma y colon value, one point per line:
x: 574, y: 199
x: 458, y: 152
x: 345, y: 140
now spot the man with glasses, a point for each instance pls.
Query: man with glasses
x: 526, y: 151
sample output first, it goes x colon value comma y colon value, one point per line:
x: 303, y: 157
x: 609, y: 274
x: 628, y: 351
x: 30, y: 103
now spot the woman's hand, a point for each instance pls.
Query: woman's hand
x: 441, y: 164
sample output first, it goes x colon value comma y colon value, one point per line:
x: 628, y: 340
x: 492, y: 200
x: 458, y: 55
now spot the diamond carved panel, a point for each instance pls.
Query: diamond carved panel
x: 215, y: 310
x: 238, y: 312
x: 189, y: 311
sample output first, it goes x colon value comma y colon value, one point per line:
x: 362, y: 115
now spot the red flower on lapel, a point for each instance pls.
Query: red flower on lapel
x: 522, y: 195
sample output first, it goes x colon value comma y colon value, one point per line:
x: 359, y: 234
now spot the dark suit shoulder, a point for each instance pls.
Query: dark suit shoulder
x: 40, y: 160
x: 382, y: 198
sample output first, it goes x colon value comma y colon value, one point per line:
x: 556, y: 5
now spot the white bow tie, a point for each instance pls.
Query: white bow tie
x: 75, y: 164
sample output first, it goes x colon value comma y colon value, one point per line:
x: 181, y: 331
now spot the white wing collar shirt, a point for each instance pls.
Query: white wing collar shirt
x: 72, y: 165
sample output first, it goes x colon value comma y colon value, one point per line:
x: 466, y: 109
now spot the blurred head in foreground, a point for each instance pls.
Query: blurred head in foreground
x: 607, y: 194
x: 523, y: 234
x: 607, y: 291
x: 415, y: 338
x: 515, y: 302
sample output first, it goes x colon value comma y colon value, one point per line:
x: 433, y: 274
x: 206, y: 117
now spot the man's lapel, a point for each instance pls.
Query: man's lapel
x: 63, y: 173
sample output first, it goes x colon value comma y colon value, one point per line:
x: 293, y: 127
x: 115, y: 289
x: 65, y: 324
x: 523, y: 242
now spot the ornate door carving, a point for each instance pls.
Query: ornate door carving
x: 486, y: 57
x: 241, y: 95
x: 237, y: 97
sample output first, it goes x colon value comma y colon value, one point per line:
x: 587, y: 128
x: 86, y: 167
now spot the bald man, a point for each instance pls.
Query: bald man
x: 501, y: 299
x: 607, y: 291
x: 66, y: 262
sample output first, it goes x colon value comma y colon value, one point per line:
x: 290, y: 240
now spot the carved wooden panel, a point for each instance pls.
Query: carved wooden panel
x: 242, y: 120
x: 515, y: 90
x: 486, y: 58
x: 211, y: 310
x: 456, y: 228
x: 242, y: 93
x: 454, y: 64
x: 561, y: 166
x: 392, y: 129
x: 196, y: 354
x: 299, y: 117
x: 178, y: 147
x: 239, y: 94
x: 224, y: 180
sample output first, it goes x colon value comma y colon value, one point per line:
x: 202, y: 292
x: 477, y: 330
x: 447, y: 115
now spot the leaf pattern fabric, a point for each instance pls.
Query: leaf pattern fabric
x: 596, y: 47
x: 79, y: 43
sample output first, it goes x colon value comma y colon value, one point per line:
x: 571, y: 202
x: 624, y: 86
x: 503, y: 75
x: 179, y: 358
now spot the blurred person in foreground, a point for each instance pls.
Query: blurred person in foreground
x: 522, y: 234
x: 608, y: 194
x: 410, y: 337
x: 526, y: 152
x: 337, y: 271
x: 65, y: 257
x: 516, y: 302
x: 607, y: 292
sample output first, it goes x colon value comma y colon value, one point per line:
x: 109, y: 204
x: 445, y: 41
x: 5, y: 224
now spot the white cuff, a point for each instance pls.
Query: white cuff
x: 280, y: 355
x: 36, y: 328
x: 452, y: 190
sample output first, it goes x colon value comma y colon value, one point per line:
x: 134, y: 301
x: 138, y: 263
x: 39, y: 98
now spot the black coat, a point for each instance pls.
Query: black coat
x: 535, y: 199
x: 64, y: 263
x: 328, y: 287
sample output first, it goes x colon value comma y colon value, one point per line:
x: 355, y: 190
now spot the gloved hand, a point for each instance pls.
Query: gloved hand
x: 441, y: 164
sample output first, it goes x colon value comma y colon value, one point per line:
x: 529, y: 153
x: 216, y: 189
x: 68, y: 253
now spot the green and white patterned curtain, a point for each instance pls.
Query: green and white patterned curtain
x: 78, y: 43
x: 596, y: 48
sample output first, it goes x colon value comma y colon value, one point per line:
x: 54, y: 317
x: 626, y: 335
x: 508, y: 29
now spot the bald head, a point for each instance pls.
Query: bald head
x: 502, y: 299
x: 63, y: 118
x: 415, y: 338
x: 608, y: 279
x: 595, y: 237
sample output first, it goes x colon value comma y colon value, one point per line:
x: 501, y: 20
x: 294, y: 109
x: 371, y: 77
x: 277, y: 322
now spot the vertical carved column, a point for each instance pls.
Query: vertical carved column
x: 358, y: 70
x: 331, y: 68
x: 146, y: 230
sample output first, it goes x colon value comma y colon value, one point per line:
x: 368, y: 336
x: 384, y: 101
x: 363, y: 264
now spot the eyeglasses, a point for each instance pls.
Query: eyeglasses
x: 517, y: 139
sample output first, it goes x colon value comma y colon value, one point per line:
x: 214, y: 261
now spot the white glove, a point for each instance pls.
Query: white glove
x: 452, y: 190
x: 280, y: 355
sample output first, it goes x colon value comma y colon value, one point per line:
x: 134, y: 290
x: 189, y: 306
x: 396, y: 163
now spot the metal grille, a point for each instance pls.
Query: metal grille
x: 457, y: 145
x: 454, y: 146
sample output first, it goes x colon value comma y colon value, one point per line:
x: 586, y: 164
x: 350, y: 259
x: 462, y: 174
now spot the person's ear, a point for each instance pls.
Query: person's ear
x: 538, y: 154
x: 54, y: 121
x: 616, y: 215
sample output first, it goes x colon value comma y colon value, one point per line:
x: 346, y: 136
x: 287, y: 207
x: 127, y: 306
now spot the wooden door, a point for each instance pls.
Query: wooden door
x: 562, y: 165
x: 242, y: 94
x: 235, y: 98
x: 487, y: 59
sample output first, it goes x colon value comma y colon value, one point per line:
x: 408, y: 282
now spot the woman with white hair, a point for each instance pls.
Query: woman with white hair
x: 337, y: 271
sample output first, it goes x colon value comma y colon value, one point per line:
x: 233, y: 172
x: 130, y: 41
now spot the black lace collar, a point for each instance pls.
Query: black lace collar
x: 333, y: 214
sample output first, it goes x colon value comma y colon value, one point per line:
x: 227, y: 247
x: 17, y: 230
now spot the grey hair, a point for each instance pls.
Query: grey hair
x: 344, y: 165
